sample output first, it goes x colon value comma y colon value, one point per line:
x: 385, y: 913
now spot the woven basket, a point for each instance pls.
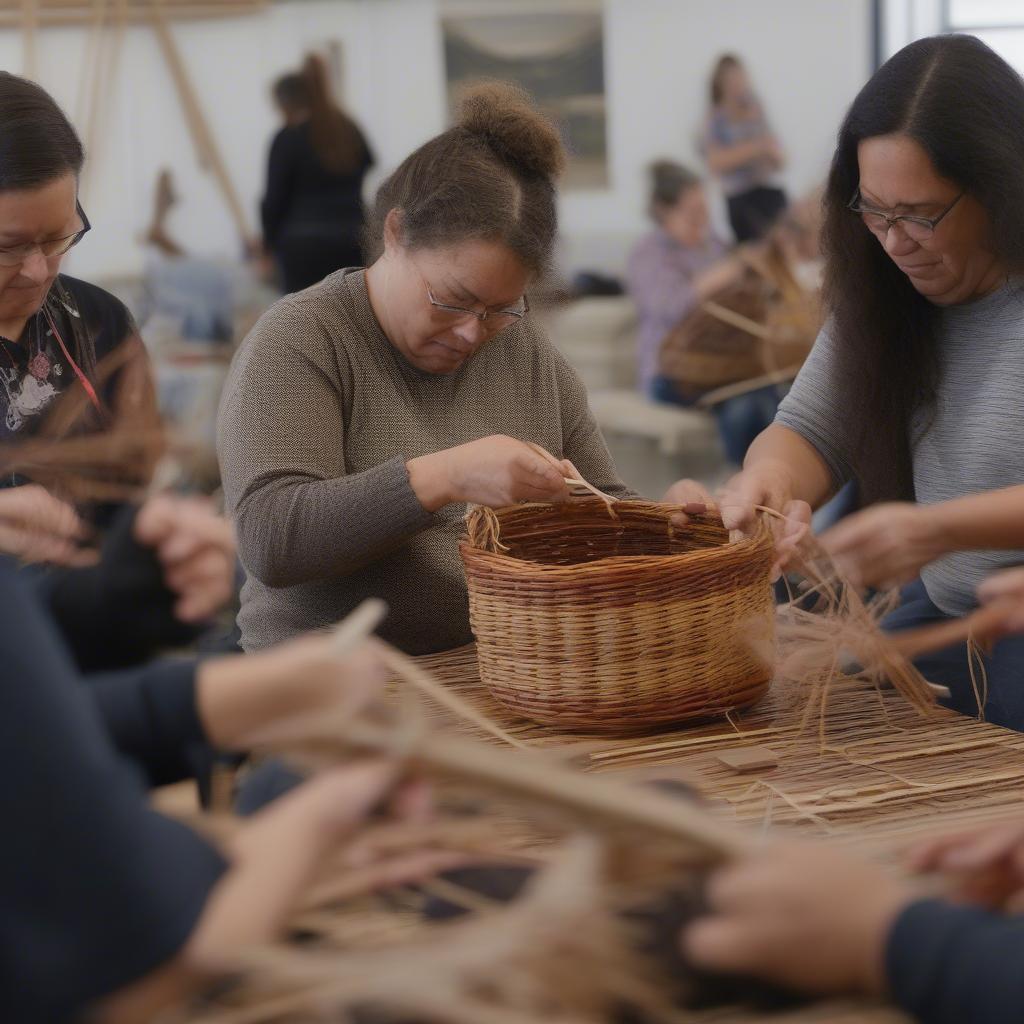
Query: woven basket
x: 617, y: 625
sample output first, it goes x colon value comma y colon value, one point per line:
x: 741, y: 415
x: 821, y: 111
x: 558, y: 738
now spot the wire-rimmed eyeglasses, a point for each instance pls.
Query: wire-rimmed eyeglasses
x: 879, y: 221
x: 495, y: 319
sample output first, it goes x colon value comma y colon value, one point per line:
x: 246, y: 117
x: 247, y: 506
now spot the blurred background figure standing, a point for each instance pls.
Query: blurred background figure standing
x: 312, y: 210
x: 742, y: 152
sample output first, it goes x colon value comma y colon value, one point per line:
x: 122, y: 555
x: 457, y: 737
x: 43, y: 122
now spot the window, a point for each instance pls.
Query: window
x: 999, y: 23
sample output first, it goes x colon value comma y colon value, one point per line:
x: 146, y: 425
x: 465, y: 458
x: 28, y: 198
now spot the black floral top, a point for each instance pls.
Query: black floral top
x: 64, y: 345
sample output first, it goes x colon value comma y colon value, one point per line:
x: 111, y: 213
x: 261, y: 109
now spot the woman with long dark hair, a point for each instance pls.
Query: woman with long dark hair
x: 915, y: 387
x: 313, y: 207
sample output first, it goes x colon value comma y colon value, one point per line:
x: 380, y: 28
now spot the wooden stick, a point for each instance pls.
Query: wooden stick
x: 30, y: 23
x: 571, y: 481
x: 90, y: 61
x: 202, y: 137
x: 980, y: 625
x: 407, y: 669
x: 358, y: 625
x: 510, y: 771
x: 78, y: 14
x: 727, y: 391
x: 729, y: 316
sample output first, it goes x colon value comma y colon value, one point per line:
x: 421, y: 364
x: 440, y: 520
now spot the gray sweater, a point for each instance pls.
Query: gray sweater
x: 319, y: 416
x: 975, y: 438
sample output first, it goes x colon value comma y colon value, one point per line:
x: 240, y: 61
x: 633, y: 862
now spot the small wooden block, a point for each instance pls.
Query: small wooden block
x: 747, y: 759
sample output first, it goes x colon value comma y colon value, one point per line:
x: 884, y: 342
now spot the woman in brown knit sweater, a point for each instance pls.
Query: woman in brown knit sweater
x: 363, y: 414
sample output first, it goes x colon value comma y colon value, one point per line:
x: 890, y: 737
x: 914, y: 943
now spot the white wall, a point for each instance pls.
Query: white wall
x: 808, y: 58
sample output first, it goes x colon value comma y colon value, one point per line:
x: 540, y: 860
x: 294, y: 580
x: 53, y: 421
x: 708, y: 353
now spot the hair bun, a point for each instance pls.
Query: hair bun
x: 506, y: 118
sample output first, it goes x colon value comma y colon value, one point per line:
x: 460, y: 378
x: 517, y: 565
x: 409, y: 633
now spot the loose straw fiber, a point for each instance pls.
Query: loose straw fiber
x: 615, y: 621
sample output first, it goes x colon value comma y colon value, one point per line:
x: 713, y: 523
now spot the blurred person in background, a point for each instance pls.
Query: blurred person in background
x: 742, y: 152
x: 671, y: 272
x: 312, y: 210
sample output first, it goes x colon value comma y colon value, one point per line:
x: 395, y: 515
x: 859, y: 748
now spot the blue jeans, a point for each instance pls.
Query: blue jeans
x: 1004, y: 667
x: 739, y: 419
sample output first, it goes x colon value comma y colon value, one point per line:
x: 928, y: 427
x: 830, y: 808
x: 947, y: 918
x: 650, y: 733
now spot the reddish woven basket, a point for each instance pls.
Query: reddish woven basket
x: 617, y: 625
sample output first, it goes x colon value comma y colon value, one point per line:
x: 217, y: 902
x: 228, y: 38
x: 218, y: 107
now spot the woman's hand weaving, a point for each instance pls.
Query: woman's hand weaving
x: 886, y: 545
x: 492, y: 471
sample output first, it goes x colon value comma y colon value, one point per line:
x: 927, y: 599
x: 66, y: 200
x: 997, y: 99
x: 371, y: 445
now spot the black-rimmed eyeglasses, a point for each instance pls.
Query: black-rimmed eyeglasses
x: 51, y: 247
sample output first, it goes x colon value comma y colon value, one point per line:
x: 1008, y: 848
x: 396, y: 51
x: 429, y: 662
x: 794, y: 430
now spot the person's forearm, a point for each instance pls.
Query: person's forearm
x: 722, y: 159
x: 293, y: 532
x: 150, y: 715
x: 783, y: 451
x: 715, y: 278
x: 993, y: 520
x: 949, y: 964
x: 430, y: 480
x: 275, y: 857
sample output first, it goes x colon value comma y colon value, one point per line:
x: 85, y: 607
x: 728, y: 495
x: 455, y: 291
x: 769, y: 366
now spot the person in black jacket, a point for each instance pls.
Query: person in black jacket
x: 107, y: 904
x: 312, y: 210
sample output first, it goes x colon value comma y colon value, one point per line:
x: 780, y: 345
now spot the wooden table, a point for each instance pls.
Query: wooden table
x: 872, y: 772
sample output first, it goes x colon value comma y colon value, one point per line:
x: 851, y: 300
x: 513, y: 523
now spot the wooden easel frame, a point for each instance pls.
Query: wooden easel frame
x: 99, y: 69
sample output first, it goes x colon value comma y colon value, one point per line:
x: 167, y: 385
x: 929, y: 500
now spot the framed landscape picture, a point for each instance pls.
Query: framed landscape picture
x: 555, y: 51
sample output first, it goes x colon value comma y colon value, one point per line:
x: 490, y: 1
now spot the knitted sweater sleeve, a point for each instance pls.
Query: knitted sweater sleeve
x: 300, y: 515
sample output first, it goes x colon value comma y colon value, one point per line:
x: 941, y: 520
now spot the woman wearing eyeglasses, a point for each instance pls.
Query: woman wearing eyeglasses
x: 63, y: 340
x: 53, y: 329
x: 915, y: 388
x: 363, y: 414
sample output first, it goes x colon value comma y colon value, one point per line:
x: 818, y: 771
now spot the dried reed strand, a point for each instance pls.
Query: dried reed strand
x: 577, y: 482
x: 816, y: 646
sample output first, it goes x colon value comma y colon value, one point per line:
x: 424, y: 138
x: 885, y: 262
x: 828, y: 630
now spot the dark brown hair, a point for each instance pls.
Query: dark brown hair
x: 964, y: 106
x: 669, y: 181
x: 726, y: 63
x: 336, y: 138
x: 291, y: 92
x: 491, y: 176
x: 37, y: 142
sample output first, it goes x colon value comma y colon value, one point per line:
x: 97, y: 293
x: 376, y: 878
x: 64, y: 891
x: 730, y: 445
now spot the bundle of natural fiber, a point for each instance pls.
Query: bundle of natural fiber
x: 577, y: 945
x: 589, y: 934
x: 89, y: 454
x: 829, y: 634
x: 612, y: 619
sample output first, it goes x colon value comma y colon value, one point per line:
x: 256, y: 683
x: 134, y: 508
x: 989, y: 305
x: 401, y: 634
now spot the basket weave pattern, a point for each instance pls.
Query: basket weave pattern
x: 616, y: 625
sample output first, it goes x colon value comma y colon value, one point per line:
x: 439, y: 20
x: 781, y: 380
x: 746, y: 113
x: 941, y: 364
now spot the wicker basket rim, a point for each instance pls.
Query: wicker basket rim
x: 729, y: 549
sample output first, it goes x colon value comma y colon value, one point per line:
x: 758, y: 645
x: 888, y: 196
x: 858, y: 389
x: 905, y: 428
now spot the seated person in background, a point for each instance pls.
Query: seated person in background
x: 362, y: 415
x: 197, y: 294
x: 672, y: 272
